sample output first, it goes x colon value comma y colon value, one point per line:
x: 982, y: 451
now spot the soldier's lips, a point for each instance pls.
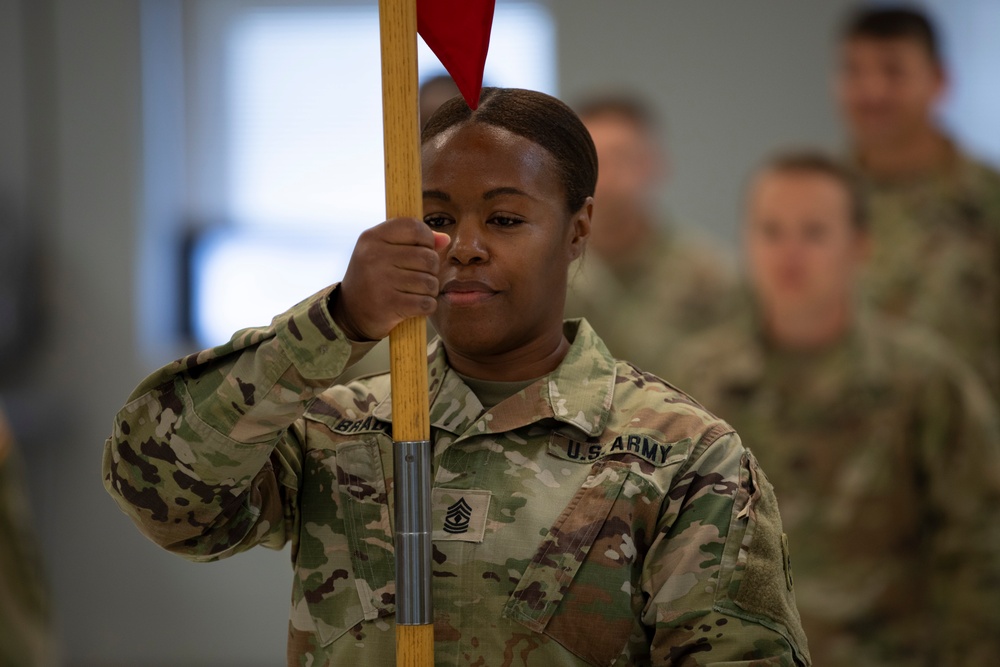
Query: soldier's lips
x: 467, y: 292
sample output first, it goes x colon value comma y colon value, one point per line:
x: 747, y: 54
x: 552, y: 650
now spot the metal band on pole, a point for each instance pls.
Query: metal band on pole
x: 412, y: 464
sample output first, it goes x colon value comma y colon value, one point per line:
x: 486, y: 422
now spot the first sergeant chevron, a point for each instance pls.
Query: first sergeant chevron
x: 457, y: 517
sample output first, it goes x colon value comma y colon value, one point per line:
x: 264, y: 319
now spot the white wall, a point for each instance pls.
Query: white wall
x: 120, y: 601
x: 968, y: 31
x: 12, y: 146
x: 733, y: 81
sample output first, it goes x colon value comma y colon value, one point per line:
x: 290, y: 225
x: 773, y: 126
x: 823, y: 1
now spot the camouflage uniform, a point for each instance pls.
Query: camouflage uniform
x: 598, y: 517
x: 885, y: 456
x: 937, y: 257
x: 25, y: 628
x: 677, y: 286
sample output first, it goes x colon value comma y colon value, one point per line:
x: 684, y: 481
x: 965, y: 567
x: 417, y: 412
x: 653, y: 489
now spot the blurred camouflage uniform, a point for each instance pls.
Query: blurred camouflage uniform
x: 25, y: 628
x: 884, y: 451
x: 677, y: 286
x: 937, y: 257
x: 598, y: 517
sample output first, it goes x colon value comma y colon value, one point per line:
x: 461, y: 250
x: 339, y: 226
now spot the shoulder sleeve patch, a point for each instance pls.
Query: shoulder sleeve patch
x: 756, y: 561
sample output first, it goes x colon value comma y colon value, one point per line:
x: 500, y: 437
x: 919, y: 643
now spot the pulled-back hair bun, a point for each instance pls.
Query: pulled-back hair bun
x: 540, y: 118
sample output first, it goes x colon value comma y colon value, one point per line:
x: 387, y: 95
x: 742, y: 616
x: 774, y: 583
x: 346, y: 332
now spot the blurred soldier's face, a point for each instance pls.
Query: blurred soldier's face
x: 631, y: 167
x: 433, y: 96
x: 887, y: 89
x: 503, y: 276
x: 803, y: 252
x: 631, y: 170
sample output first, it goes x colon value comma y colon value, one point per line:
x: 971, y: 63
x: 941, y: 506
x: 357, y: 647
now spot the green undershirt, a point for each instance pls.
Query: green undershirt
x: 490, y: 393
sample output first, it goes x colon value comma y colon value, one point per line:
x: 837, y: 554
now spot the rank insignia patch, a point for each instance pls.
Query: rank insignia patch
x: 456, y: 518
x: 459, y: 514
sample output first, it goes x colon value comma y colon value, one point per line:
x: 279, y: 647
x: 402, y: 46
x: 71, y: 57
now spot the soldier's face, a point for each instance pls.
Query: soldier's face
x: 503, y: 275
x: 803, y: 252
x: 887, y: 89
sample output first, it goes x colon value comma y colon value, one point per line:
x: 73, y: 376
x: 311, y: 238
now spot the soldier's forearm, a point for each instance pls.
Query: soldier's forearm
x: 190, y: 455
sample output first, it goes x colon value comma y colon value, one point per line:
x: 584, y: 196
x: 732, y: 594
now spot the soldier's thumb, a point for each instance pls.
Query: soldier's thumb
x: 441, y: 240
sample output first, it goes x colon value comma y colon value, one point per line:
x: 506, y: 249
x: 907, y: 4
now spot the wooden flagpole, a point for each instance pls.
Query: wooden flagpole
x: 408, y: 343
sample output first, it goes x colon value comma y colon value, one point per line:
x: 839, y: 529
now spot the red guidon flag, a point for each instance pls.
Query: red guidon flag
x: 458, y: 32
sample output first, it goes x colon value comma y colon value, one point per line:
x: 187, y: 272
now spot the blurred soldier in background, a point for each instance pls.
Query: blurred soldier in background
x: 26, y: 633
x: 25, y: 625
x: 935, y: 211
x: 883, y: 447
x: 643, y: 283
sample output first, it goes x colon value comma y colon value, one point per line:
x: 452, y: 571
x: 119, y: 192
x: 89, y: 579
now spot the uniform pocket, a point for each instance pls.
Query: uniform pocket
x: 345, y: 563
x: 577, y: 589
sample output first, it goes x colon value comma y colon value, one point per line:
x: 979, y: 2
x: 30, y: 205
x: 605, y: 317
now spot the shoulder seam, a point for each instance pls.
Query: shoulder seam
x: 709, y: 438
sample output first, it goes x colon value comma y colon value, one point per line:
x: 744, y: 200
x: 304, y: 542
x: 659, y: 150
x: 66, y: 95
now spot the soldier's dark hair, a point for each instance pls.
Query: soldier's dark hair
x: 622, y: 105
x: 818, y: 163
x: 540, y: 118
x: 899, y: 22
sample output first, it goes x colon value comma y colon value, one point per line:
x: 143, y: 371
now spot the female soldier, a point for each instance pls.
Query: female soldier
x: 584, y: 513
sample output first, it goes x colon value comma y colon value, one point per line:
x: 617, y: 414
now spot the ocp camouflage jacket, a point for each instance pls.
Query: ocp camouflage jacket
x: 598, y: 517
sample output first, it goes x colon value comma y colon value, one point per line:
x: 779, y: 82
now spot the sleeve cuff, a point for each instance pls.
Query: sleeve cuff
x: 314, y: 343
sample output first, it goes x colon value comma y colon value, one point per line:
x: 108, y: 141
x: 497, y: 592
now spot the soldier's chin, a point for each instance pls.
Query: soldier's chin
x: 788, y: 300
x: 877, y: 132
x: 471, y: 336
x: 793, y: 301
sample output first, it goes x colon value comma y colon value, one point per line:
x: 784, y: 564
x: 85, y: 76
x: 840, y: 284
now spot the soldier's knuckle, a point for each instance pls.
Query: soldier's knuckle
x: 429, y: 261
x: 430, y: 284
x: 405, y: 230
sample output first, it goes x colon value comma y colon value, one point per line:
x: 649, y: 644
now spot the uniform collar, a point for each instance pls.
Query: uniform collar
x: 577, y: 393
x: 955, y: 171
x: 750, y: 359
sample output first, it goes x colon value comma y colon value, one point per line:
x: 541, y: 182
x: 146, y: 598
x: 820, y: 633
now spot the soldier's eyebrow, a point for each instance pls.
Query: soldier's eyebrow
x: 506, y: 190
x: 437, y: 194
x: 489, y: 194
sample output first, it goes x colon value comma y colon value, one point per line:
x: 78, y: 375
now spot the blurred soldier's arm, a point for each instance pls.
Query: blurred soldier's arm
x: 205, y: 457
x: 25, y: 623
x: 718, y: 574
x: 959, y: 440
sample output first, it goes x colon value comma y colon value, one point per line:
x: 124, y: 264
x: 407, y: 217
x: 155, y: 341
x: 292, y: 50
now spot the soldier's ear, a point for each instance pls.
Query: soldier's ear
x: 580, y: 223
